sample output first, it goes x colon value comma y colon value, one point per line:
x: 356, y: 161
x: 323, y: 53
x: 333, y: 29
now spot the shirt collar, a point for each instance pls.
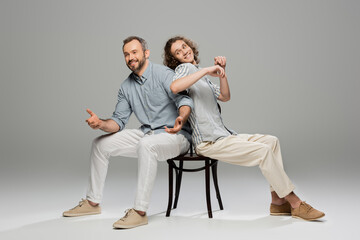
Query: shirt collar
x: 147, y: 72
x: 145, y: 76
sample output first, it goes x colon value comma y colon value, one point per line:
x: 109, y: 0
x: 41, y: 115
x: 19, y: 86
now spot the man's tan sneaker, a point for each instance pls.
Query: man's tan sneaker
x: 280, y: 210
x: 130, y: 220
x: 306, y: 212
x: 83, y: 208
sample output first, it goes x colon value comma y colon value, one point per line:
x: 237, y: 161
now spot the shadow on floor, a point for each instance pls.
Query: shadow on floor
x: 100, y: 227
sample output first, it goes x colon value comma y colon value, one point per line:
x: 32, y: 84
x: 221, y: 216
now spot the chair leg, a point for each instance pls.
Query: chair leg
x: 178, y: 183
x: 207, y: 186
x: 170, y: 189
x: 214, y: 174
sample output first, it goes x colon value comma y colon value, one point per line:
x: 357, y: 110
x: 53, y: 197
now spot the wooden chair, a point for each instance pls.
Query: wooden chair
x: 179, y: 169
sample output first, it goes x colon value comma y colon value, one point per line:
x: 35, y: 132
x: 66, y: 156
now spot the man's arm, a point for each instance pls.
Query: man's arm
x: 184, y: 113
x: 183, y: 103
x: 122, y: 111
x: 107, y: 125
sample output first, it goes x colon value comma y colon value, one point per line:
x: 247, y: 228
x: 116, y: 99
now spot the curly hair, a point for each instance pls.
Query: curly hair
x: 169, y: 59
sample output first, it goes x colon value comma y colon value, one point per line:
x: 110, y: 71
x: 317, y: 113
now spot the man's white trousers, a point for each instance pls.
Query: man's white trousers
x: 148, y: 148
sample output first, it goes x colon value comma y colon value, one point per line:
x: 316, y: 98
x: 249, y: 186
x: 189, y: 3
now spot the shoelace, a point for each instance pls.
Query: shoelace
x: 127, y: 211
x: 80, y: 203
x: 307, y: 206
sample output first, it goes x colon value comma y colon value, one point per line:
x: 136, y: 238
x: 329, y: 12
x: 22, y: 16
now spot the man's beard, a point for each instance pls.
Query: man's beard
x: 141, y: 64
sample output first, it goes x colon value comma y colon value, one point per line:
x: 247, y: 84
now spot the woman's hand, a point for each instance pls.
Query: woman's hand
x: 221, y: 61
x: 216, y: 71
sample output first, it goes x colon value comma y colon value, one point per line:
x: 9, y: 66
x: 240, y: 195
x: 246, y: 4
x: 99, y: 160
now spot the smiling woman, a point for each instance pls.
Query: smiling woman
x: 212, y: 139
x: 170, y: 60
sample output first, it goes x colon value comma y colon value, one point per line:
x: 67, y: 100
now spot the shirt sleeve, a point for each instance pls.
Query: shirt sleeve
x: 214, y: 88
x: 179, y: 99
x: 181, y: 71
x: 122, y: 111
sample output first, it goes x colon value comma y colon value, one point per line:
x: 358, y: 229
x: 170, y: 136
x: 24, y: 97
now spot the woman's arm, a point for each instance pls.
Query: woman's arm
x: 224, y: 89
x: 184, y: 83
x: 224, y: 85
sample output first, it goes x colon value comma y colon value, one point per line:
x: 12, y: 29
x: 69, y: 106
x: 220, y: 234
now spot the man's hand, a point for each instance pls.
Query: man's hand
x: 179, y: 122
x: 94, y: 122
x: 221, y: 61
x: 216, y: 71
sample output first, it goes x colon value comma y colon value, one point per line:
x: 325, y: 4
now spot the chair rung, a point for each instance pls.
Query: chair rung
x: 173, y: 165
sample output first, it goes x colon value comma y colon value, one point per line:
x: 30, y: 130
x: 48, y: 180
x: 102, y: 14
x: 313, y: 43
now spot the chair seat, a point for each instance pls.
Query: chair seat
x: 191, y: 157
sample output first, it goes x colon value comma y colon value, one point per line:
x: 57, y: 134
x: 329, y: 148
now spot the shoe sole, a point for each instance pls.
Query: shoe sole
x: 80, y: 214
x: 310, y: 219
x: 280, y: 214
x: 118, y: 226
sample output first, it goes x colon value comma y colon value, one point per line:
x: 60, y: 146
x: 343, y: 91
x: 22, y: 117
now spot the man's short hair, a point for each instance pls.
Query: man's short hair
x: 141, y: 41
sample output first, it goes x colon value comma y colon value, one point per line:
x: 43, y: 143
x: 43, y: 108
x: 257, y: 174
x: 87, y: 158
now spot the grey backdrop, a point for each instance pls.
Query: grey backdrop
x: 293, y: 68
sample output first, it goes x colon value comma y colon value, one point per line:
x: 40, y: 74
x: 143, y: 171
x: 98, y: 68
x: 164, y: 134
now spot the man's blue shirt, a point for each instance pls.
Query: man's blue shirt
x: 152, y: 101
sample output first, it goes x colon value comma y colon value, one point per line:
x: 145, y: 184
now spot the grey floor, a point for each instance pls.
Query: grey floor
x: 32, y: 207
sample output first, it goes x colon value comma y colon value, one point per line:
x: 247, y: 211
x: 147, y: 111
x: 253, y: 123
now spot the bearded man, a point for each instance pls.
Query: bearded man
x: 146, y: 92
